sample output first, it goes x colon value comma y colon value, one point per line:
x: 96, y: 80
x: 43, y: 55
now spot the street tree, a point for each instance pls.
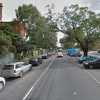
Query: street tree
x: 37, y: 26
x: 81, y: 24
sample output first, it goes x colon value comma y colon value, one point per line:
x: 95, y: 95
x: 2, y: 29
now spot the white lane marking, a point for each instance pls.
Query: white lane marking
x: 92, y: 76
x: 37, y: 81
x: 74, y: 93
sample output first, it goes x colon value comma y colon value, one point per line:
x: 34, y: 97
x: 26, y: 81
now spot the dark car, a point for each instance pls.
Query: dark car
x: 77, y: 54
x: 44, y: 56
x: 92, y: 64
x: 35, y: 61
x: 88, y: 58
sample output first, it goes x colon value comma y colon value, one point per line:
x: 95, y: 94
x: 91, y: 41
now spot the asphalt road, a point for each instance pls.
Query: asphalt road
x: 55, y: 79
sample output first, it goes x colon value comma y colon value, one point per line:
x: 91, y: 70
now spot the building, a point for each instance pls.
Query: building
x: 19, y: 27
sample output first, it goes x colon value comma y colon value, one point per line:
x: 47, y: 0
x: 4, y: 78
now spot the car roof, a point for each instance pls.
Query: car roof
x: 14, y: 63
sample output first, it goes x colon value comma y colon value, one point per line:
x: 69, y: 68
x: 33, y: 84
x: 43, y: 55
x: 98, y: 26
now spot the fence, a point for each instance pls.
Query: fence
x: 6, y: 59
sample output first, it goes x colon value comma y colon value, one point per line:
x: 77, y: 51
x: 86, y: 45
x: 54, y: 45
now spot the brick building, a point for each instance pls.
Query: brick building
x: 19, y: 27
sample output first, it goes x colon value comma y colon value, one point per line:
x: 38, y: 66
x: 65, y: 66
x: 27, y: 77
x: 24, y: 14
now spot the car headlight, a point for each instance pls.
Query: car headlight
x: 86, y: 63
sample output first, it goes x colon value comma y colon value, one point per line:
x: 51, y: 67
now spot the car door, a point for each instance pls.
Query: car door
x: 25, y: 66
x: 18, y: 68
x: 98, y: 63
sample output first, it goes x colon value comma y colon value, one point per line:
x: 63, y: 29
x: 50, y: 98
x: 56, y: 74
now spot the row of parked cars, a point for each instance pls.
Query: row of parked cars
x: 17, y: 69
x: 90, y: 61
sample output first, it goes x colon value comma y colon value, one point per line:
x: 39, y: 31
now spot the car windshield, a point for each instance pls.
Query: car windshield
x: 95, y: 60
x: 8, y: 67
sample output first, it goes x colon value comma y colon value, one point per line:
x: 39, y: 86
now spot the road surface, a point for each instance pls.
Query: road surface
x: 55, y: 79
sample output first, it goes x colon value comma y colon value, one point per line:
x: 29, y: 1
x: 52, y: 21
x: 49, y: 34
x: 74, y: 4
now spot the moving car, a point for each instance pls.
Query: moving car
x: 2, y: 83
x: 16, y: 69
x: 35, y: 61
x: 92, y: 64
x: 59, y: 54
x: 88, y: 58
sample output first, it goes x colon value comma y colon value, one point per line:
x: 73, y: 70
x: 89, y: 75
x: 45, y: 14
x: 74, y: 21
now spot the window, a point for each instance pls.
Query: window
x: 24, y: 64
x: 18, y: 66
x: 8, y: 67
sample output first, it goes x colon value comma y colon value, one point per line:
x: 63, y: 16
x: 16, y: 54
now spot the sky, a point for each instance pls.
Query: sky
x: 9, y: 7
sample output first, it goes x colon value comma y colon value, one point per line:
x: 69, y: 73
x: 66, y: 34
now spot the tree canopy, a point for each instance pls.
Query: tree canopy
x: 37, y: 26
x: 80, y: 24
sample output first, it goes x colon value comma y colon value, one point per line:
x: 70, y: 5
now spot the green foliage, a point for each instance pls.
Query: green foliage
x: 38, y: 28
x: 5, y: 42
x: 18, y: 56
x: 80, y: 24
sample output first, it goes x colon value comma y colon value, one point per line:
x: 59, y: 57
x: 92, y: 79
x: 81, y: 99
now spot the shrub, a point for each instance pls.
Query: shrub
x: 19, y: 56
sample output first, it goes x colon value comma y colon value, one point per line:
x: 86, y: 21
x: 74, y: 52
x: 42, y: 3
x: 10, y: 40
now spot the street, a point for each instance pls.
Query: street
x: 56, y: 79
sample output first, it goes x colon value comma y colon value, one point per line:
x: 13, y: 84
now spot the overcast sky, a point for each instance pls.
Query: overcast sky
x: 9, y: 6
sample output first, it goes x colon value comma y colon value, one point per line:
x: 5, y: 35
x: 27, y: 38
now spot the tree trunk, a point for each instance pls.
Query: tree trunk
x: 85, y: 52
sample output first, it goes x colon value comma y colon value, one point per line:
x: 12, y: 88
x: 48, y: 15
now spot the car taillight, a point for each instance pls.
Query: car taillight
x: 14, y: 71
x: 35, y: 60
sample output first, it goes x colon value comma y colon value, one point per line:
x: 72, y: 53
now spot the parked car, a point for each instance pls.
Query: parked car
x: 16, y: 69
x: 49, y: 54
x: 77, y: 54
x: 59, y: 54
x: 35, y: 61
x: 2, y: 83
x: 92, y: 64
x: 53, y: 53
x: 44, y: 56
x: 71, y: 51
x: 88, y: 58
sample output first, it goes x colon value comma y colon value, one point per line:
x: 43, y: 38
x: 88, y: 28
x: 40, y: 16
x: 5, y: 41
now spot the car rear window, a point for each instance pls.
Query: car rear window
x: 8, y: 67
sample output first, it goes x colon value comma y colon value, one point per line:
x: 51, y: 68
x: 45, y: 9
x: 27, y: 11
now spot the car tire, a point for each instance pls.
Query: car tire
x: 91, y: 66
x: 20, y: 74
x: 30, y: 68
x: 1, y: 86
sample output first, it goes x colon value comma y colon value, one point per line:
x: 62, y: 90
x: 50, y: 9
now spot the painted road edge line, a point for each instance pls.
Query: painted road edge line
x: 92, y: 76
x: 37, y: 80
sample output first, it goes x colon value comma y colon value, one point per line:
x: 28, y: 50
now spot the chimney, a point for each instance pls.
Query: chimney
x: 1, y: 11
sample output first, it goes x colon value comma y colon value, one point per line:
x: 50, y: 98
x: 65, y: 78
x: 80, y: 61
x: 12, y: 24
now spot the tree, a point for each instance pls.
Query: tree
x: 5, y: 43
x: 81, y: 24
x: 9, y: 31
x: 68, y: 42
x: 37, y: 26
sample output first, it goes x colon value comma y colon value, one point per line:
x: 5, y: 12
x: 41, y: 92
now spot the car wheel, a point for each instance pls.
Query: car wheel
x: 20, y: 74
x: 91, y: 66
x: 30, y: 68
x: 1, y: 86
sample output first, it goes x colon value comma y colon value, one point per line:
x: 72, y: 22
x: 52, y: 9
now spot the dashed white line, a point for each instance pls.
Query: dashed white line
x: 74, y: 93
x: 37, y: 81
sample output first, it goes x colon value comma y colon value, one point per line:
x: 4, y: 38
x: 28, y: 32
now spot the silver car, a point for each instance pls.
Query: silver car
x: 2, y: 83
x: 16, y: 69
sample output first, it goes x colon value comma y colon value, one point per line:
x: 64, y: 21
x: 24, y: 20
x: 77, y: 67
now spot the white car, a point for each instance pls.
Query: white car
x: 16, y: 69
x: 2, y: 83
